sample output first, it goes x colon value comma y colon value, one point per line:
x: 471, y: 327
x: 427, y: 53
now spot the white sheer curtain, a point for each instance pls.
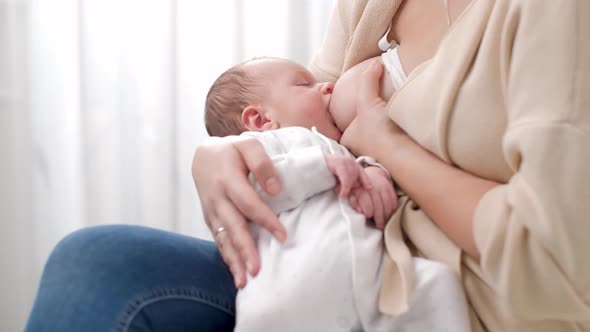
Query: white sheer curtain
x: 101, y: 109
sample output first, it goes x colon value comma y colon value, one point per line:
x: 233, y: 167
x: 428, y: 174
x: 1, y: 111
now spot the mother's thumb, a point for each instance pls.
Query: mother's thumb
x: 369, y: 89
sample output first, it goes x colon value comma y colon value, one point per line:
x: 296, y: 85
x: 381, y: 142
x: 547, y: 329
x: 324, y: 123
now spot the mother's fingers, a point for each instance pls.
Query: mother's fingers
x: 257, y: 161
x: 241, y: 238
x: 220, y: 170
x: 234, y: 242
x: 231, y: 258
x: 249, y: 204
x: 369, y: 87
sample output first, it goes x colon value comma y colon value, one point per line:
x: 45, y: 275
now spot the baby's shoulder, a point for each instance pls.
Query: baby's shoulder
x: 291, y: 139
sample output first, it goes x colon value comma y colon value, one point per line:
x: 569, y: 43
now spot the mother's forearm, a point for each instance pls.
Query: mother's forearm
x: 448, y: 195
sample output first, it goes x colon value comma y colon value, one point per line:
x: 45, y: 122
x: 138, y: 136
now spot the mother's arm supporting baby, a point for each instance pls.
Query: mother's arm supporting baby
x: 220, y: 171
x: 447, y: 194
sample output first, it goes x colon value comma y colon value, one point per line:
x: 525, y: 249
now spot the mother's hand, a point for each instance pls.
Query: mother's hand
x: 372, y: 132
x: 220, y: 169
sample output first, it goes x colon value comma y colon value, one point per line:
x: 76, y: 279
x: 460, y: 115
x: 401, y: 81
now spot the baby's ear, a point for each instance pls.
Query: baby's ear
x: 255, y: 119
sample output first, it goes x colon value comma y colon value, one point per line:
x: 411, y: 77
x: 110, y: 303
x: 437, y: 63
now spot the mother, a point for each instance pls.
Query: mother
x: 488, y: 138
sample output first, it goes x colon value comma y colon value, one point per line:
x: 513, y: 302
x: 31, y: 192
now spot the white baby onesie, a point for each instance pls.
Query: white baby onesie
x: 327, y: 275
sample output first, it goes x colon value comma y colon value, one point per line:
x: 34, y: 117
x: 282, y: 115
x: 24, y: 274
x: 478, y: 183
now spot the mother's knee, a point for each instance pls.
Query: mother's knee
x: 88, y: 249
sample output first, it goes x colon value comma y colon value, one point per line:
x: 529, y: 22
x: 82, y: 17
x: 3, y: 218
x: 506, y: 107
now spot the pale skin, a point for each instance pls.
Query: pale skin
x: 291, y: 96
x: 446, y: 194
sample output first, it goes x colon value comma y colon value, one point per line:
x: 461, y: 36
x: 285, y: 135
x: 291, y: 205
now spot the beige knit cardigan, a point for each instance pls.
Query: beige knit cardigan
x: 509, y: 101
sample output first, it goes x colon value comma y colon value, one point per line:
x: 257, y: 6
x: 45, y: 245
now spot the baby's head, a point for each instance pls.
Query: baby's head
x: 265, y: 94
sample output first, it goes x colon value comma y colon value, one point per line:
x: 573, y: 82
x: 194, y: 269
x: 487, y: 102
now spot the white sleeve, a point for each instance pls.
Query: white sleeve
x: 303, y: 171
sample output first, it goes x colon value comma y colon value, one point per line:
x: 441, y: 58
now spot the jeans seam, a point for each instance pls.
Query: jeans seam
x: 134, y: 306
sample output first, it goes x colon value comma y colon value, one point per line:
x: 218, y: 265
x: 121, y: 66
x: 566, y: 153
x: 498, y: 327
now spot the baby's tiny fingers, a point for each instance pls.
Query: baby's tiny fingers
x: 353, y: 201
x: 378, y: 209
x: 345, y: 183
x: 365, y: 203
x: 365, y: 180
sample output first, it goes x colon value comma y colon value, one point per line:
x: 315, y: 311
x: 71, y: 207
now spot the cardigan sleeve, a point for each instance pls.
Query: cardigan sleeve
x: 533, y: 232
x: 328, y: 62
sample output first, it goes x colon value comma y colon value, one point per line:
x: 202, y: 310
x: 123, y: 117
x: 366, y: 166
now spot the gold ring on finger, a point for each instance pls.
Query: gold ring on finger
x: 219, y: 231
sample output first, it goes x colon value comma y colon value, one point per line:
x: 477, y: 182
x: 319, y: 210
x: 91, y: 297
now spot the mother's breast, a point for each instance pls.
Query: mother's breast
x: 476, y: 128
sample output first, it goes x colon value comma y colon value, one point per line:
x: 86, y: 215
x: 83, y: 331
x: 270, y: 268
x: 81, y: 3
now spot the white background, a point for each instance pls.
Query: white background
x: 101, y: 107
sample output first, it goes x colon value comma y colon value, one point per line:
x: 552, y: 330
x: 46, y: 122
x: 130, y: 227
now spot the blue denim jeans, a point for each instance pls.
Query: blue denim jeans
x: 131, y: 278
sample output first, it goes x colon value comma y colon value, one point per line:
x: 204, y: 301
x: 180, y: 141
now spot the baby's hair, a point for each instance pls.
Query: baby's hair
x: 231, y: 92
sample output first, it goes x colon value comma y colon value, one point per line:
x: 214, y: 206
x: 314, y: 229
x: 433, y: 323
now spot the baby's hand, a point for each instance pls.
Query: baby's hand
x: 349, y: 173
x: 379, y: 203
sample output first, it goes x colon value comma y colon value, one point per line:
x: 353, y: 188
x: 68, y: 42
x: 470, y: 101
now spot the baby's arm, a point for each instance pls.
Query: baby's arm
x: 305, y: 171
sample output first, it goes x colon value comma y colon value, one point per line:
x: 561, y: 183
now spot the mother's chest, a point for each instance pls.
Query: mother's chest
x: 463, y: 122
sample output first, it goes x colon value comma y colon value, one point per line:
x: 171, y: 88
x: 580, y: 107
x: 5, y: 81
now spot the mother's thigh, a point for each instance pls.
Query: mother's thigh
x: 132, y: 278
